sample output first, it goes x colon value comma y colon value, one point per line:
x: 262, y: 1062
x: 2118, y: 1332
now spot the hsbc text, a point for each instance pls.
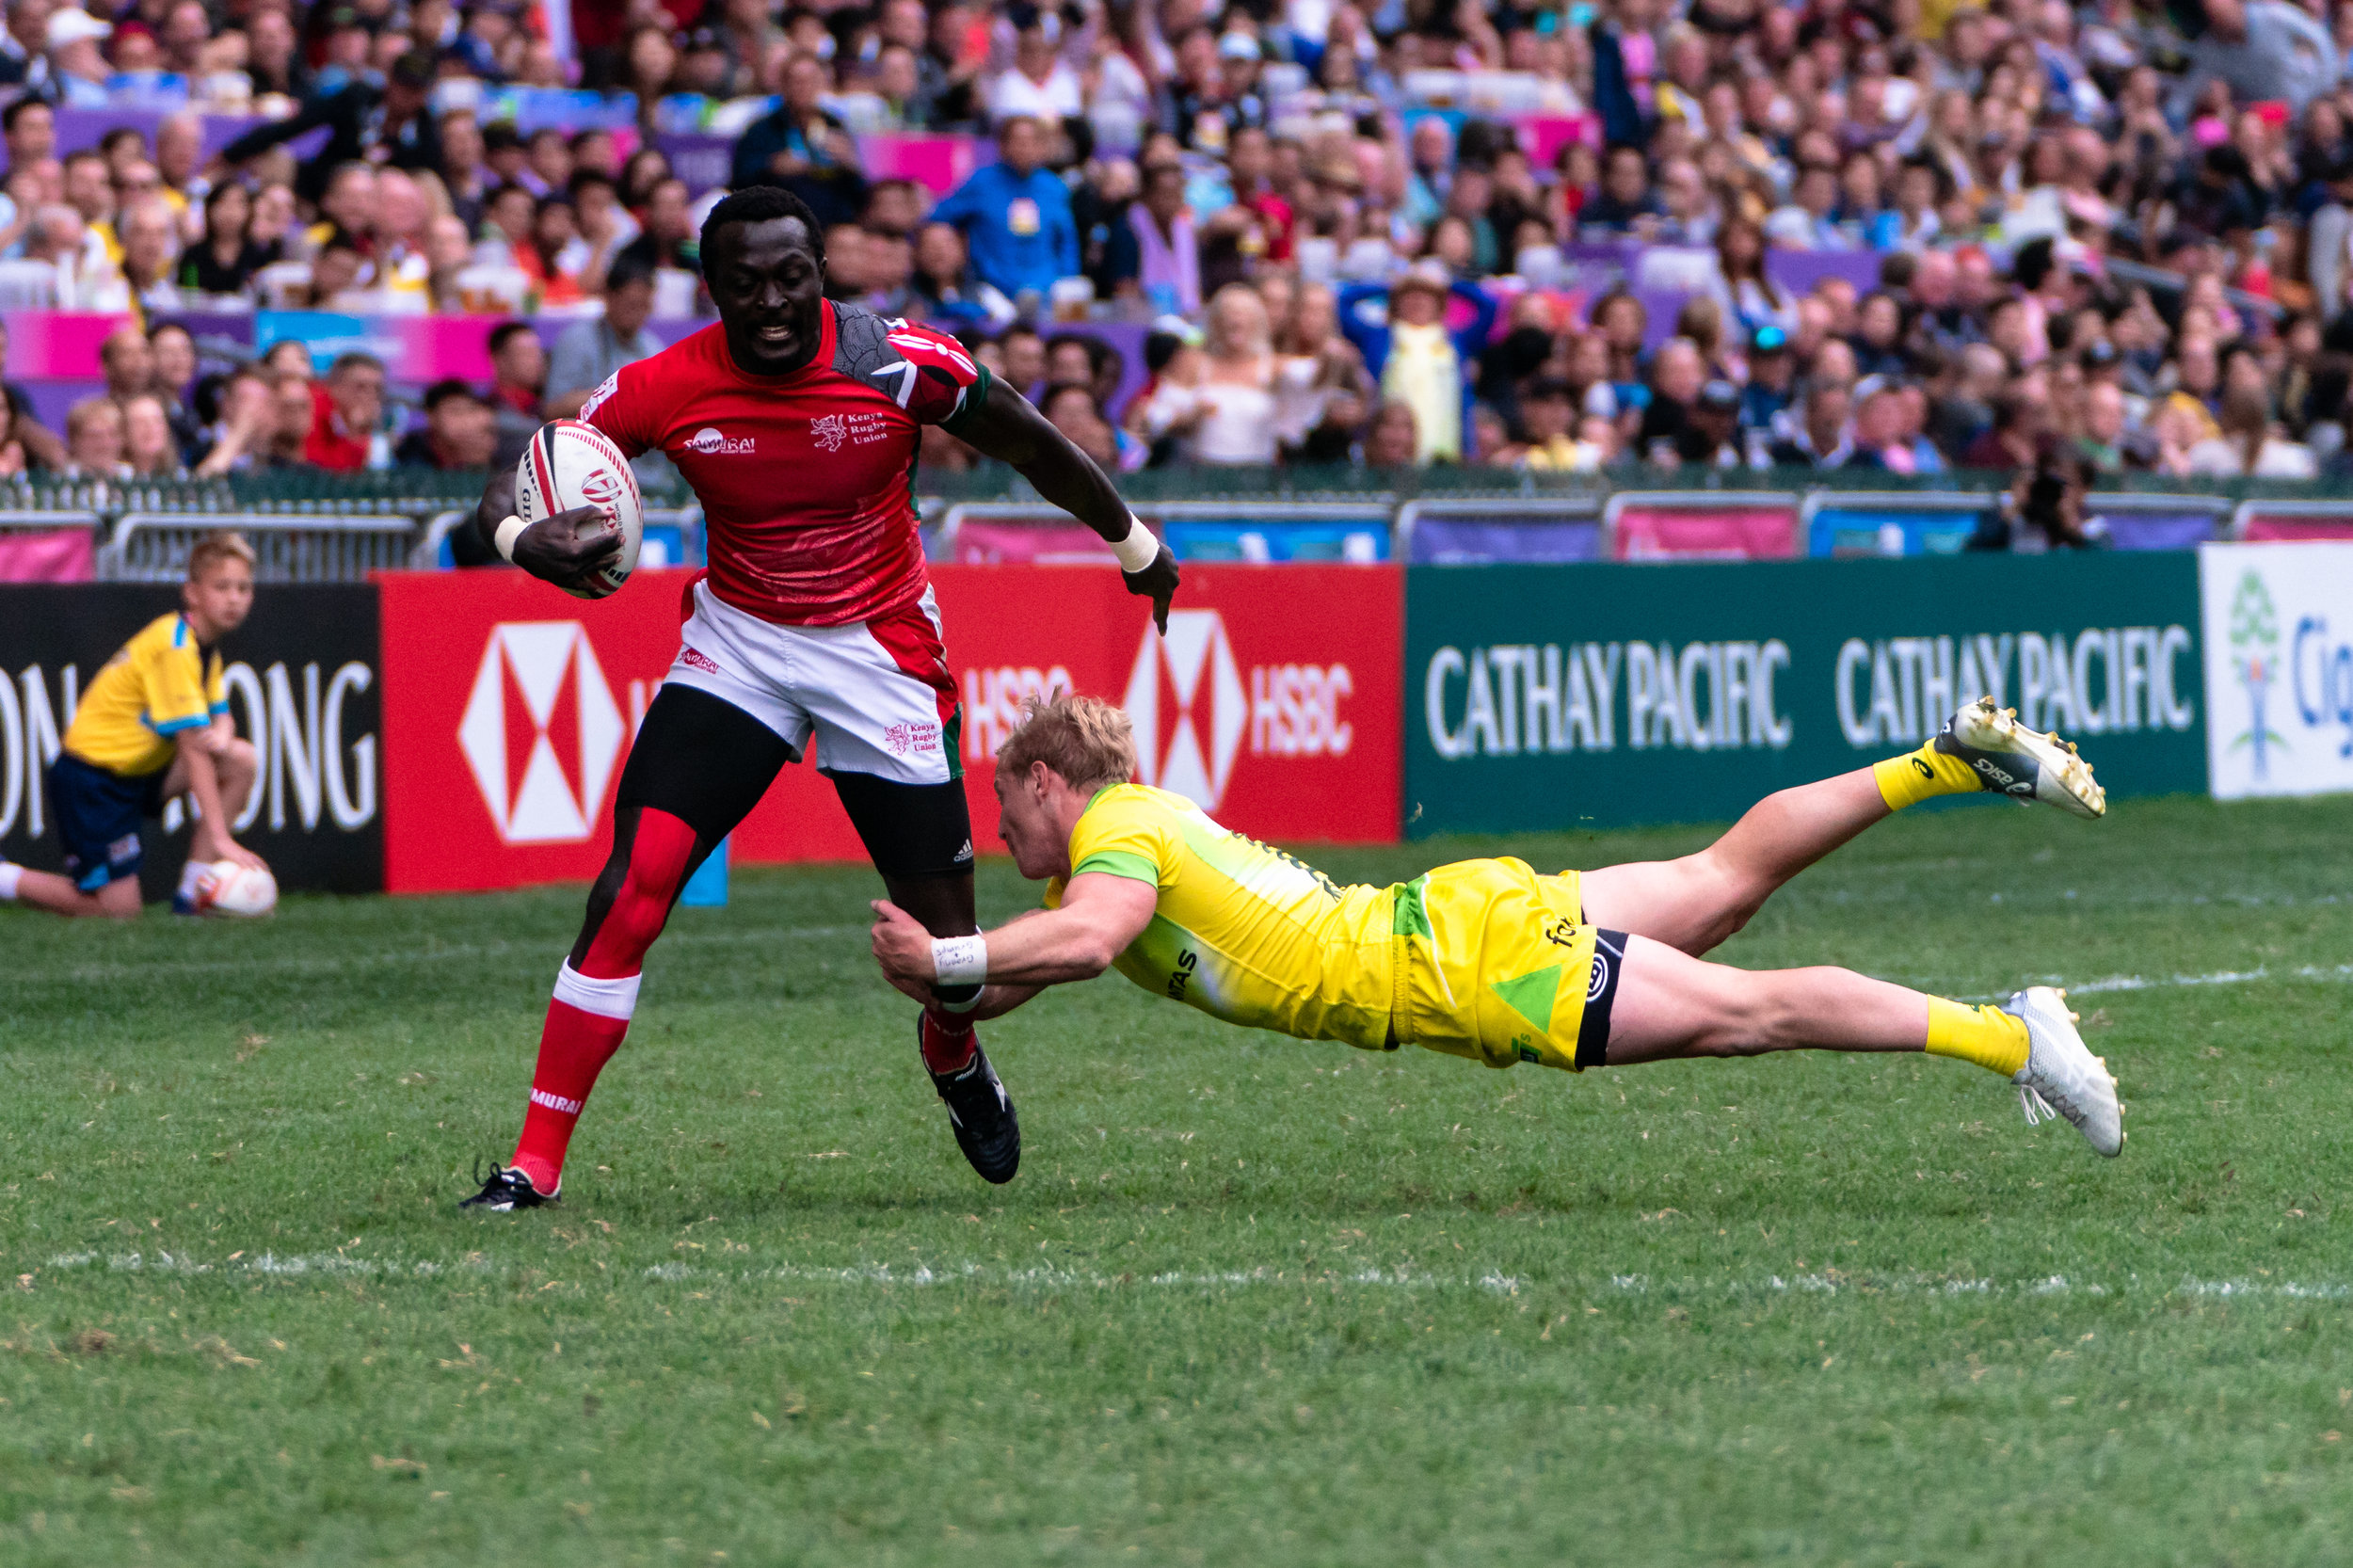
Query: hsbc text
x: 1295, y: 710
x: 993, y: 700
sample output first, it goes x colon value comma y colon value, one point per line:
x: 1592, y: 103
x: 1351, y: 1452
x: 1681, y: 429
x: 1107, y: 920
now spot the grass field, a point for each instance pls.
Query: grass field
x: 1251, y: 1300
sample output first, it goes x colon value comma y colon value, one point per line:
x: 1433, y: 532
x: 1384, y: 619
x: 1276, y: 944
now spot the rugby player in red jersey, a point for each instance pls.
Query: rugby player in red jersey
x: 795, y: 418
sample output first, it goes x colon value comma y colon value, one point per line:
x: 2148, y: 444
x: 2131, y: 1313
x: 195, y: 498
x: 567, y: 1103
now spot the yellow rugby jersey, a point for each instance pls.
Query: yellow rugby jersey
x: 1243, y: 930
x: 159, y: 685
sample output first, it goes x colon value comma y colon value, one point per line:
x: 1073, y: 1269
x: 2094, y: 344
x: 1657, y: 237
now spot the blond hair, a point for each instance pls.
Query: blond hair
x: 1084, y: 738
x: 220, y: 545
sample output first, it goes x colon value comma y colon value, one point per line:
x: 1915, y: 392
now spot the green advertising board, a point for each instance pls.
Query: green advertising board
x: 1551, y: 697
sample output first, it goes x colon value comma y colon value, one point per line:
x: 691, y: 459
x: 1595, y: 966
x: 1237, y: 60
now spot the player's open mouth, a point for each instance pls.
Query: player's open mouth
x: 775, y: 336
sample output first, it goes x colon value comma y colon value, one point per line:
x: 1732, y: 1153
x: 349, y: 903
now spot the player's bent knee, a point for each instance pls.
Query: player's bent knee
x: 240, y: 759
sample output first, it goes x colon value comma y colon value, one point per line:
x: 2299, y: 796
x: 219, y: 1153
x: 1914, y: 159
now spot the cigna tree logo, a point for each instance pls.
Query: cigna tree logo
x: 1186, y: 704
x: 2254, y: 633
x: 541, y: 731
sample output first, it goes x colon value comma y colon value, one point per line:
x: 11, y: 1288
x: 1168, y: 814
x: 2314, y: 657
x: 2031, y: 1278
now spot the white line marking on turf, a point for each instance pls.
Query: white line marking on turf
x: 2338, y: 974
x: 922, y: 1276
x: 83, y: 974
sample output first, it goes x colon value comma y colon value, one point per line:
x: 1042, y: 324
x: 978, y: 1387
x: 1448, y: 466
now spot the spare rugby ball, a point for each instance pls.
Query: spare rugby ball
x: 228, y: 889
x: 570, y: 464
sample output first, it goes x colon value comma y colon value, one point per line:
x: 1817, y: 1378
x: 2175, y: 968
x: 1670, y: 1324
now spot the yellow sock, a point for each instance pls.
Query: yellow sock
x: 1918, y: 775
x: 1987, y: 1035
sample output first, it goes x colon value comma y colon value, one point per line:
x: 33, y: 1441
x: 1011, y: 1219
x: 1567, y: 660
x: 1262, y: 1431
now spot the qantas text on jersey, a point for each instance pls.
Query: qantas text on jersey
x: 803, y: 478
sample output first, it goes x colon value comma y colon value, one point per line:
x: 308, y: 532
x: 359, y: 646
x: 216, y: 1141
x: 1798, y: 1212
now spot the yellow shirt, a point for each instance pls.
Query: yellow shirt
x: 159, y: 685
x: 1241, y: 931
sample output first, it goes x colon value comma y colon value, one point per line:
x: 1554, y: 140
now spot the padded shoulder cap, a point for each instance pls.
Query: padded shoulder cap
x: 860, y: 341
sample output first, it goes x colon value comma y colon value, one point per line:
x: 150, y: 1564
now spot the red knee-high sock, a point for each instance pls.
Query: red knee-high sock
x: 949, y: 1041
x: 586, y: 1020
x: 591, y: 1009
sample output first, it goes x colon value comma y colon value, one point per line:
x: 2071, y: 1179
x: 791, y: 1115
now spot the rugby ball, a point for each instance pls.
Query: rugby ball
x: 228, y: 889
x: 570, y: 464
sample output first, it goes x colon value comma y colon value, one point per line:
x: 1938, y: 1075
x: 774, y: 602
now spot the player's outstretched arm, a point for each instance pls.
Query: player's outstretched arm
x: 1007, y: 428
x: 1100, y: 914
x: 567, y: 548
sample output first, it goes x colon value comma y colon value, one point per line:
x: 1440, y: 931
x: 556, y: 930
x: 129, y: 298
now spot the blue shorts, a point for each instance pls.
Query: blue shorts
x: 98, y: 819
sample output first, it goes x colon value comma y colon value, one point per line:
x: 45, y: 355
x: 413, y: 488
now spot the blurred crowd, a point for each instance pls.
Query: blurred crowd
x: 2078, y: 238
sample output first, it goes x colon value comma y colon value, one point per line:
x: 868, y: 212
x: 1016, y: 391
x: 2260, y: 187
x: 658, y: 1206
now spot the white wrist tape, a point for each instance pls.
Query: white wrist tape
x: 959, y: 960
x: 508, y: 533
x: 11, y: 875
x: 1139, y: 550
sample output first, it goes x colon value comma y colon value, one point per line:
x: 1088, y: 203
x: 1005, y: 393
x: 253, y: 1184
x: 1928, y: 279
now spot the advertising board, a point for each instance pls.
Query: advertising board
x: 509, y: 709
x: 2279, y: 637
x: 1553, y: 699
x: 303, y: 688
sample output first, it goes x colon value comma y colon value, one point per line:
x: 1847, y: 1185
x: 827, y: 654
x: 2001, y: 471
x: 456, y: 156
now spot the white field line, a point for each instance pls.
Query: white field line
x: 920, y: 1276
x: 95, y: 973
x: 83, y: 974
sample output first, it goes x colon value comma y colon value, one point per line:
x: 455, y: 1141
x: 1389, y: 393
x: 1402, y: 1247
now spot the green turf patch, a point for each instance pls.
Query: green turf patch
x: 1252, y: 1300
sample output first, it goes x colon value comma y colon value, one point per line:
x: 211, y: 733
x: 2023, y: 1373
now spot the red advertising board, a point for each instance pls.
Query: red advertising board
x: 508, y: 708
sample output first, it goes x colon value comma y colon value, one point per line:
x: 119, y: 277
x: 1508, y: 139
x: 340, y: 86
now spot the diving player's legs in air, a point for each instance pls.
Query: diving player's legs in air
x: 699, y: 766
x: 1669, y: 1005
x: 1695, y: 903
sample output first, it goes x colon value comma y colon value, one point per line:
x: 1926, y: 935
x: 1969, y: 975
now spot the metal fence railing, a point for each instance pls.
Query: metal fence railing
x: 153, y: 546
x: 305, y: 532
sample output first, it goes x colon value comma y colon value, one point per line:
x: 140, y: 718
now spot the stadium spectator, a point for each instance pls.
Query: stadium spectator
x: 1417, y: 362
x: 1168, y: 254
x: 667, y: 237
x: 364, y: 123
x: 519, y: 366
x: 148, y: 448
x: 129, y: 362
x: 1015, y: 217
x: 804, y: 147
x: 173, y: 352
x: 238, y: 438
x: 94, y: 440
x: 224, y: 261
x: 460, y: 432
x: 347, y: 417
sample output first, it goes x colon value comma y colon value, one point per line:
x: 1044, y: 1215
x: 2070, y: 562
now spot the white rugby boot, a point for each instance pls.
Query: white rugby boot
x: 2062, y: 1077
x: 2011, y: 759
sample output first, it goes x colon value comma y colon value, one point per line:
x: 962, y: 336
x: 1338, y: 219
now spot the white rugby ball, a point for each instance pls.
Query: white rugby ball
x: 570, y: 464
x: 228, y: 889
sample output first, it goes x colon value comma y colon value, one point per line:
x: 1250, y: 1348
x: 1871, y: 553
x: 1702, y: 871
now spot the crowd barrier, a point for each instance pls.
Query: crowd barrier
x: 143, y: 532
x: 435, y: 731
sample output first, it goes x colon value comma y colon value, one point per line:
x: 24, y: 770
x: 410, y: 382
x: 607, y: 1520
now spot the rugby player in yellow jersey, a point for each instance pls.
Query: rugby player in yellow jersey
x: 153, y: 726
x: 1486, y: 958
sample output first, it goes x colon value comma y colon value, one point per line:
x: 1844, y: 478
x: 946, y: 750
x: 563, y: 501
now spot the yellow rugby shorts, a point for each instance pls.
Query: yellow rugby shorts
x: 1497, y: 964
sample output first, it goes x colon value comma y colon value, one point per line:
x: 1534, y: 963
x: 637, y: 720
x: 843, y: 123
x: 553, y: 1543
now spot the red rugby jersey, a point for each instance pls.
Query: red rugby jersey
x: 804, y: 478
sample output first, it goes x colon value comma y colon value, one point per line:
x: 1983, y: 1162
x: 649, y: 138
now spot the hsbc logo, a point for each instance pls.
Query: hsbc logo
x: 541, y: 731
x: 1189, y: 708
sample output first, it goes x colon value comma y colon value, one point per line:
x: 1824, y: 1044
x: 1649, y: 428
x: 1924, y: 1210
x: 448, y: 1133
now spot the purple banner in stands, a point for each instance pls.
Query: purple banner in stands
x: 1801, y: 271
x: 1124, y: 337
x: 697, y: 157
x: 80, y: 128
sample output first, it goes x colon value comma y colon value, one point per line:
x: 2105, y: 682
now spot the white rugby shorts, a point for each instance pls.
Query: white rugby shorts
x: 876, y: 694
